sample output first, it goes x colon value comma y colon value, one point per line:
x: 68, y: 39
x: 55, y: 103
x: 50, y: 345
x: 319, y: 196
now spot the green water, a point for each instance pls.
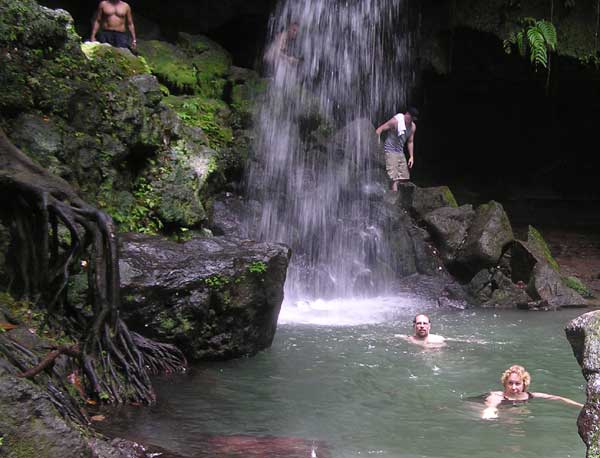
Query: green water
x: 361, y: 391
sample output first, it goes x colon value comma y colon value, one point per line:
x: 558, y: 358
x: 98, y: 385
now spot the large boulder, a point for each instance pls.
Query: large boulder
x: 215, y: 298
x: 492, y: 288
x: 448, y: 227
x: 421, y: 201
x: 532, y: 263
x: 583, y: 334
x: 487, y: 237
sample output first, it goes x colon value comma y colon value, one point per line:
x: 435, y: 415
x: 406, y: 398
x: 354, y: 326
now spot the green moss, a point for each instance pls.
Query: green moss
x: 197, y: 67
x: 211, y: 115
x: 575, y: 284
x: 449, y: 196
x: 125, y: 62
x: 537, y: 243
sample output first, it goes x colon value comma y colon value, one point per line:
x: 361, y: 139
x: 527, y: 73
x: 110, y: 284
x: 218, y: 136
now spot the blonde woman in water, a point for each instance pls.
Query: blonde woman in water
x: 516, y: 381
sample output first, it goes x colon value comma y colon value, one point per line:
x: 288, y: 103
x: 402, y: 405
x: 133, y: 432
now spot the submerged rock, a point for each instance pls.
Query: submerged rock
x: 215, y: 298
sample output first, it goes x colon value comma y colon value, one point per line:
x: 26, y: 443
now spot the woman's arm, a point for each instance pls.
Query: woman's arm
x: 491, y: 406
x: 557, y: 398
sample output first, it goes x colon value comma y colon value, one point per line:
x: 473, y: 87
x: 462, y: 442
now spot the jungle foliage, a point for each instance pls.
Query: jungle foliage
x: 536, y: 39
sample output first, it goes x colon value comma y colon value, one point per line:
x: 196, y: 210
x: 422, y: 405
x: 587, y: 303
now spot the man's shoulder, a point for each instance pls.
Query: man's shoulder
x: 434, y: 338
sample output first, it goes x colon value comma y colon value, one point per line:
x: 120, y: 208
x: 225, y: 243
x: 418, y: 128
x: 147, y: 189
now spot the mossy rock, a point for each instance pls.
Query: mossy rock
x: 26, y: 23
x: 243, y: 100
x: 211, y: 115
x: 197, y: 67
x: 125, y: 62
x: 576, y: 284
x: 539, y: 247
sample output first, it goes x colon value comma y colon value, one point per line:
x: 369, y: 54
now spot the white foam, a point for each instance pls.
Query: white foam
x: 350, y: 311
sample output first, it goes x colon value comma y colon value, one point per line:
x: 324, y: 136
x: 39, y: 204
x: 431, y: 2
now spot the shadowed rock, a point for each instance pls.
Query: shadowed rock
x: 583, y: 334
x: 215, y: 298
x: 488, y: 235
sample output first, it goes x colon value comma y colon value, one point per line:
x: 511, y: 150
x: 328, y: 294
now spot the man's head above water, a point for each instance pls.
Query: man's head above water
x: 421, y: 334
x: 422, y: 326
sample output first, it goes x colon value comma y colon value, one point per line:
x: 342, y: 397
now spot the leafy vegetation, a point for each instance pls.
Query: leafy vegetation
x: 537, y: 39
x: 257, y: 267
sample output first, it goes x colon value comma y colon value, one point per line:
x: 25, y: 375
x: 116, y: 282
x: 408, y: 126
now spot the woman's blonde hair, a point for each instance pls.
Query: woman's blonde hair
x: 520, y: 371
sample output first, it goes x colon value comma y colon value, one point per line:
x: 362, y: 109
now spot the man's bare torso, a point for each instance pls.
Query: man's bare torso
x: 114, y: 15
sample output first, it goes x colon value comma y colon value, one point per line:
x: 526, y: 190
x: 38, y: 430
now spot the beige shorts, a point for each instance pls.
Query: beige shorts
x: 396, y: 166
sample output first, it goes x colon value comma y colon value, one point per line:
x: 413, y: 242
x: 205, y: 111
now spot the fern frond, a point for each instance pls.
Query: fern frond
x: 548, y: 31
x: 539, y: 56
x: 507, y: 45
x: 521, y: 44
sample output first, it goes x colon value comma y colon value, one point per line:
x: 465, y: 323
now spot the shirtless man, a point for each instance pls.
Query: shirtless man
x: 421, y: 335
x: 279, y: 50
x: 112, y: 17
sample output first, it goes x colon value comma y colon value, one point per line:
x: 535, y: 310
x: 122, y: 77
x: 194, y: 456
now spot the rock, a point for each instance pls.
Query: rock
x: 425, y: 200
x: 492, y: 288
x: 228, y: 214
x: 486, y: 239
x: 197, y: 65
x: 583, y: 334
x: 215, y: 298
x: 545, y: 283
x: 41, y: 139
x: 529, y: 264
x: 448, y: 227
x: 31, y: 426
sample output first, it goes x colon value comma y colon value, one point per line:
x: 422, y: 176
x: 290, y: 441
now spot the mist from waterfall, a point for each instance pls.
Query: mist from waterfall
x: 317, y: 172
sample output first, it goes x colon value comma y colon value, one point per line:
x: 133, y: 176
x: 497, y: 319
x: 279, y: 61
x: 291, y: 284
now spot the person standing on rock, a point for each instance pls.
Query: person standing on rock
x: 280, y: 50
x: 402, y: 134
x: 112, y: 19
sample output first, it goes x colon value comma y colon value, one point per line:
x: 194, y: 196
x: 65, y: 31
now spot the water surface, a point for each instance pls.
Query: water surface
x: 356, y: 389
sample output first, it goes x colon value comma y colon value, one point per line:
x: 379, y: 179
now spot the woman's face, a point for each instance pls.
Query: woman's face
x: 514, y: 384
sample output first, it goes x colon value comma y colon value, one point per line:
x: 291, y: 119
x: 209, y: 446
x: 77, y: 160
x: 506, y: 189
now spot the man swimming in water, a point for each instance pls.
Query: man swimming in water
x: 421, y: 334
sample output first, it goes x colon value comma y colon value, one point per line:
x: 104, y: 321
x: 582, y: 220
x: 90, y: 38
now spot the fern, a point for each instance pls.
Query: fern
x: 537, y: 38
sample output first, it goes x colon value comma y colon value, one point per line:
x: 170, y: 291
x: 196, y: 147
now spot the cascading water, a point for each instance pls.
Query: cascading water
x: 318, y: 171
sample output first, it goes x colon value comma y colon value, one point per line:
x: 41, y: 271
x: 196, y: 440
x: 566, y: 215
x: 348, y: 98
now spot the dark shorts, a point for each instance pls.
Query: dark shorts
x: 114, y: 38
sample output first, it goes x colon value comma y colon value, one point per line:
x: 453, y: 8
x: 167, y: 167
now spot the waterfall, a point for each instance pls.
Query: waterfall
x: 317, y: 170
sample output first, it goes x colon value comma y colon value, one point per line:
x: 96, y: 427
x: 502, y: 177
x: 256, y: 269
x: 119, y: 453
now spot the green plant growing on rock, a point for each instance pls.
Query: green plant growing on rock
x: 537, y: 39
x: 257, y: 267
x: 216, y: 282
x: 577, y: 285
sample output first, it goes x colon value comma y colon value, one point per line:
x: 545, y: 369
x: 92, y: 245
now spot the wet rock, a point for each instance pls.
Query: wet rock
x: 215, y: 298
x: 529, y: 264
x: 492, y: 288
x: 548, y: 285
x: 448, y: 227
x: 583, y: 334
x: 228, y: 214
x: 425, y: 200
x: 489, y: 233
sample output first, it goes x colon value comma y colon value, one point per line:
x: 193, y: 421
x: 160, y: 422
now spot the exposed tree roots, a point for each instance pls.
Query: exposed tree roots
x: 52, y: 232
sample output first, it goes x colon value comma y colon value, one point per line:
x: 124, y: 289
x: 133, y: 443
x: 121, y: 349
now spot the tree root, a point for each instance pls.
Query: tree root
x: 35, y: 205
